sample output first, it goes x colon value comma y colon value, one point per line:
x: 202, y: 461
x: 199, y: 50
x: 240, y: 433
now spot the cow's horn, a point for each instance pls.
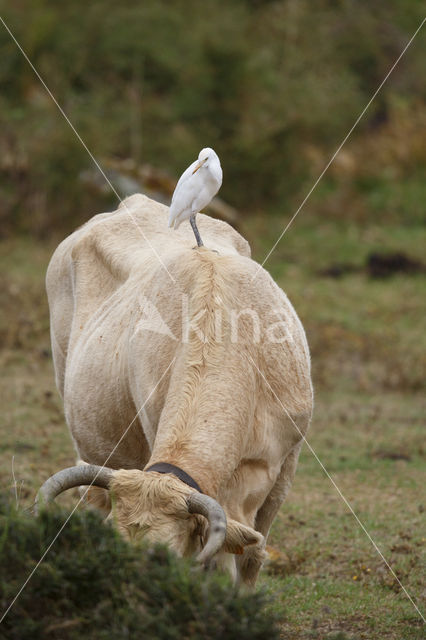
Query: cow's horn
x: 210, y: 509
x: 85, y: 474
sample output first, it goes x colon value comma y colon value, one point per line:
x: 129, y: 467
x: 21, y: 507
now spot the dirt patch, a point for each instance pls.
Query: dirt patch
x: 377, y: 265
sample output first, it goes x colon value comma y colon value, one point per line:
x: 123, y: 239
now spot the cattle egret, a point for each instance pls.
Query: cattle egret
x: 197, y: 187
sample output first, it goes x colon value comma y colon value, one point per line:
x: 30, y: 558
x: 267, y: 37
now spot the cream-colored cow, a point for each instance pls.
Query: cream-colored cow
x: 192, y: 360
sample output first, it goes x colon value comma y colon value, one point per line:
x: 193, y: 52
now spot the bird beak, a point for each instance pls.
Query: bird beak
x: 199, y: 165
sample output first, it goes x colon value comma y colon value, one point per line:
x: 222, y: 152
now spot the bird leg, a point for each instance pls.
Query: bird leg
x: 195, y: 230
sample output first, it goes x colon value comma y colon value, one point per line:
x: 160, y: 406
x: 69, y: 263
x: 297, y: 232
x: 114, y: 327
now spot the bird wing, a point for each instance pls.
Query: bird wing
x: 184, y: 177
x: 180, y: 204
x: 184, y: 194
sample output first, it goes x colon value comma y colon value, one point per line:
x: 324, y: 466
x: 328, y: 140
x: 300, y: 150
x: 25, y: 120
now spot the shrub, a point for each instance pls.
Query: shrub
x: 92, y: 584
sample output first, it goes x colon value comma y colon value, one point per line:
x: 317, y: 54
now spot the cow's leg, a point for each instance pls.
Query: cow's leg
x: 250, y: 563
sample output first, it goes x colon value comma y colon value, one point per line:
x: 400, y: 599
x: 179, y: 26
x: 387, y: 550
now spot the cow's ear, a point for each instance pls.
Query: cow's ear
x: 239, y: 536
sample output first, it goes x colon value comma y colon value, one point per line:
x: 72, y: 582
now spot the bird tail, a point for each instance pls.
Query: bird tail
x: 172, y: 219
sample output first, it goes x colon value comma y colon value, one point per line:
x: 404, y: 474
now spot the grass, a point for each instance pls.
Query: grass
x: 365, y: 333
x: 368, y: 349
x: 324, y: 554
x: 327, y: 579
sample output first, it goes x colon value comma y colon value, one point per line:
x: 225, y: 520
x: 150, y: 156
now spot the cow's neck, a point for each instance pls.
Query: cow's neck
x: 206, y: 432
x: 166, y: 467
x: 208, y: 412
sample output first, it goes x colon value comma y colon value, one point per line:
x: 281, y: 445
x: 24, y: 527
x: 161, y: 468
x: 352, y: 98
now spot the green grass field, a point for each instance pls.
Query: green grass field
x: 368, y: 360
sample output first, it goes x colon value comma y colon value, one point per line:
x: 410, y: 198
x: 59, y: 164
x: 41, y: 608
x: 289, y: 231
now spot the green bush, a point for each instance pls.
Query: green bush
x: 93, y: 585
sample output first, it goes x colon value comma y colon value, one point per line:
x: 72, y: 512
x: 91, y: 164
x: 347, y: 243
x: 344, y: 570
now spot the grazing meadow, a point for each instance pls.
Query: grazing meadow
x: 323, y: 573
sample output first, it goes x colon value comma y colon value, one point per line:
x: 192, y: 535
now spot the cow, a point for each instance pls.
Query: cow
x: 185, y: 377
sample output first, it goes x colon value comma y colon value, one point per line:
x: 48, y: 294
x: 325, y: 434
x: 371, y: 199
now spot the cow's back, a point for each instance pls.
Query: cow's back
x: 94, y: 261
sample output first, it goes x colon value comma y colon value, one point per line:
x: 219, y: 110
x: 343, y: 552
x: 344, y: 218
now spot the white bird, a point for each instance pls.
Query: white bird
x: 196, y: 188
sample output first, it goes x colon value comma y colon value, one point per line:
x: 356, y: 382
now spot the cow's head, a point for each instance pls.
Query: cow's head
x: 162, y: 508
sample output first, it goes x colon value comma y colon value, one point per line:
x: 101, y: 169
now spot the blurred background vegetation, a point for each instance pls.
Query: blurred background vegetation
x: 273, y: 86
